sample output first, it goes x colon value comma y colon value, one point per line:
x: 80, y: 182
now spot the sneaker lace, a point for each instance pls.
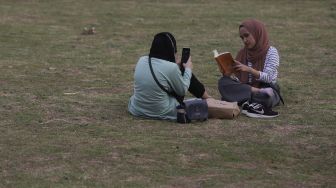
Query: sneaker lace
x: 256, y: 105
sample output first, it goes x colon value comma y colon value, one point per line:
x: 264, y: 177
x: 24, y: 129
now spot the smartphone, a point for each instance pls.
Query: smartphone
x: 185, y: 55
x: 184, y: 58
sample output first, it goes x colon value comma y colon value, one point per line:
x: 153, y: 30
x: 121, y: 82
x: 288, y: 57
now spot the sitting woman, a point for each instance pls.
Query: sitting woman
x: 256, y: 65
x: 149, y: 100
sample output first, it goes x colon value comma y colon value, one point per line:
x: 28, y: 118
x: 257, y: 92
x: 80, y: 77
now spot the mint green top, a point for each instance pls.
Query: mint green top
x: 149, y: 100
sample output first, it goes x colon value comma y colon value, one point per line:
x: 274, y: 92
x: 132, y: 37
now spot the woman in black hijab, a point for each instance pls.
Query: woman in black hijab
x: 164, y: 47
x: 150, y: 99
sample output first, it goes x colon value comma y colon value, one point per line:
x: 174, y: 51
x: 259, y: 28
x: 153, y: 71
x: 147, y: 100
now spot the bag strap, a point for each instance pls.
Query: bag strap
x: 276, y: 87
x: 172, y: 93
x: 281, y: 99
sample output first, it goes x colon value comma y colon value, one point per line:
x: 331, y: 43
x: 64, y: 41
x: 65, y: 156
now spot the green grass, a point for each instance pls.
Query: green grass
x: 64, y: 96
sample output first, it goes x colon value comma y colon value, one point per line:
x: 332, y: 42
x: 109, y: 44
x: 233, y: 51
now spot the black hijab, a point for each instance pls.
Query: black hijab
x: 163, y: 47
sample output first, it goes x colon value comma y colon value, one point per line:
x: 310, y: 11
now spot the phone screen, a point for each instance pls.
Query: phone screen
x: 185, y: 55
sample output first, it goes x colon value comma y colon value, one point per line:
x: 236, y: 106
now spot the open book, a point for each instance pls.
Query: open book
x: 225, y: 62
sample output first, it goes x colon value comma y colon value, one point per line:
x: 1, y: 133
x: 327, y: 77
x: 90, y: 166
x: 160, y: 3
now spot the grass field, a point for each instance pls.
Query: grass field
x: 63, y: 96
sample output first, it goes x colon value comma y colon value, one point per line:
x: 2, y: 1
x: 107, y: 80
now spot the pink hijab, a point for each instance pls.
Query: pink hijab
x: 257, y: 54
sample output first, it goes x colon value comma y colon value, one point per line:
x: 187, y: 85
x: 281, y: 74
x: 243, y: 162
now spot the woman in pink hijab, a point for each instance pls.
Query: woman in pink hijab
x: 256, y: 88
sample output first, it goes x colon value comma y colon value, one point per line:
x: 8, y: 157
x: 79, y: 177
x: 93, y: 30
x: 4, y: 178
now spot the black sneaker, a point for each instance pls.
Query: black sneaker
x: 259, y: 111
x: 245, y: 106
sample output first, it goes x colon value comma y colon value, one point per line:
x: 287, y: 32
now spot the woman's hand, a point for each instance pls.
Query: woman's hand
x: 177, y: 59
x: 241, y: 67
x: 188, y: 64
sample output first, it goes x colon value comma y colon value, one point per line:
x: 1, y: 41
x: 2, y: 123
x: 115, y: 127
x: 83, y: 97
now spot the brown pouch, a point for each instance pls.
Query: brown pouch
x: 222, y: 109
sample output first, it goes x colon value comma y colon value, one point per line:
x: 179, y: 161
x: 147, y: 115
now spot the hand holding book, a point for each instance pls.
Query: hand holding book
x: 241, y: 67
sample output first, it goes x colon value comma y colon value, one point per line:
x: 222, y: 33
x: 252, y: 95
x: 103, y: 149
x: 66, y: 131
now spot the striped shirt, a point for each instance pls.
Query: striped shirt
x: 270, y: 72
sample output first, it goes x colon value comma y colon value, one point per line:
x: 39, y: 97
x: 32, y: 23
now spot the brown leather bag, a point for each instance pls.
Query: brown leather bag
x: 222, y: 109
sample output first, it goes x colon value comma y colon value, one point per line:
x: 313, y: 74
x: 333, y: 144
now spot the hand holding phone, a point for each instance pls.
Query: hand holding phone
x: 184, y: 58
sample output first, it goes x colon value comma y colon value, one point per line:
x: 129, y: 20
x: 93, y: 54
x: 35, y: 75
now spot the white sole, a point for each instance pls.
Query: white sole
x: 244, y: 112
x: 259, y: 115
